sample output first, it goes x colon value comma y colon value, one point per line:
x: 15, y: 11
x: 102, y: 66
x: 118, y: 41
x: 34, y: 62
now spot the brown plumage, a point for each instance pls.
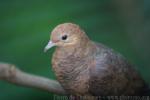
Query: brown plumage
x: 84, y: 67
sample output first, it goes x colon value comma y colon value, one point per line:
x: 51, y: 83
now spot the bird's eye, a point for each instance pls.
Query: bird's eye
x: 64, y: 37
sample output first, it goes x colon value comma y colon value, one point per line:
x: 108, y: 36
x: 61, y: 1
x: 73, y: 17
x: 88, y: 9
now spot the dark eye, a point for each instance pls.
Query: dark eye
x: 64, y: 37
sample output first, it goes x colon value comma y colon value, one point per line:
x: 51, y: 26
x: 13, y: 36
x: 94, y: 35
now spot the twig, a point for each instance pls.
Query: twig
x: 11, y: 74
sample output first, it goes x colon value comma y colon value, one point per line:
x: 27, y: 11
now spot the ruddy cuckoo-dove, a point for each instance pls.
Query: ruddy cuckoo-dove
x: 84, y: 67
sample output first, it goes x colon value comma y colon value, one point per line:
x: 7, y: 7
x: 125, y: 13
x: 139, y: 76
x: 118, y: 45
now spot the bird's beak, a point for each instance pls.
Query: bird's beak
x: 49, y: 45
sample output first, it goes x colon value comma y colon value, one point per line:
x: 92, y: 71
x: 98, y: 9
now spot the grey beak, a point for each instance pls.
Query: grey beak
x: 48, y: 46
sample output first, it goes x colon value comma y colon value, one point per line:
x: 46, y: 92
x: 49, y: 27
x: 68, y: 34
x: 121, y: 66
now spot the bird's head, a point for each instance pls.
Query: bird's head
x: 66, y: 34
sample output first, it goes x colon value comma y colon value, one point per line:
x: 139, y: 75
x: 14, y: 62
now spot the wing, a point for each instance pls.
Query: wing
x: 112, y: 74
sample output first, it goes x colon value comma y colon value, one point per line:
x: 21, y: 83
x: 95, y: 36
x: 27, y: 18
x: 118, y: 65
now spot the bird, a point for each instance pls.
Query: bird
x: 87, y: 68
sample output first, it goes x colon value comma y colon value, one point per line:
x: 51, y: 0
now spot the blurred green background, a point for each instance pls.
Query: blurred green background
x: 25, y: 26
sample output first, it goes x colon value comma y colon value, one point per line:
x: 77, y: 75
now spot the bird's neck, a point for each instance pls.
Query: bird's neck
x: 82, y: 49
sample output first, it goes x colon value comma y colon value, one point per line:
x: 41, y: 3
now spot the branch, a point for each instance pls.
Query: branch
x: 11, y: 74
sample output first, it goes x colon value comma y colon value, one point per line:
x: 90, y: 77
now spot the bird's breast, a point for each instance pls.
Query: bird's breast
x: 72, y: 72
